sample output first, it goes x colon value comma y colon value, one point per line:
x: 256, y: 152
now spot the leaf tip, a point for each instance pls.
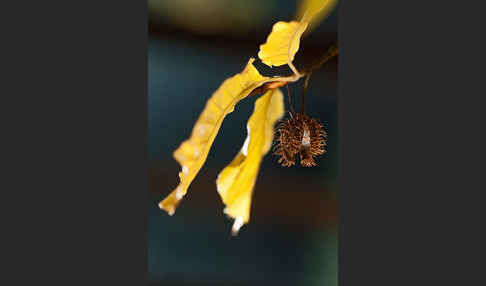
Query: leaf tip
x: 170, y: 209
x: 170, y: 203
x: 237, y: 225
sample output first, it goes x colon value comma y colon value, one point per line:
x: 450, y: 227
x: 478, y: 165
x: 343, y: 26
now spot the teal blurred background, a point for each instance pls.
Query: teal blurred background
x: 292, y: 237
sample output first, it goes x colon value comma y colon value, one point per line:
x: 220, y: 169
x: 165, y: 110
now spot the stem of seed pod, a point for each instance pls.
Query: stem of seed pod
x: 302, y: 106
x: 290, y: 100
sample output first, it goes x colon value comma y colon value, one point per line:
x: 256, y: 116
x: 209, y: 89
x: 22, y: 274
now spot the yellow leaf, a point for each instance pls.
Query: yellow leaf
x: 283, y: 42
x: 193, y: 152
x: 323, y: 8
x: 235, y: 183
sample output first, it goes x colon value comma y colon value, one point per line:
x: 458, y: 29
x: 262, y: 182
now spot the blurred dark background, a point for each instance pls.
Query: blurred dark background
x: 292, y: 237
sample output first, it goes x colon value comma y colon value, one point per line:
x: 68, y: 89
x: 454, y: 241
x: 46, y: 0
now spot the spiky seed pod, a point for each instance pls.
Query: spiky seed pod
x: 301, y: 135
x: 313, y: 142
x: 285, y: 145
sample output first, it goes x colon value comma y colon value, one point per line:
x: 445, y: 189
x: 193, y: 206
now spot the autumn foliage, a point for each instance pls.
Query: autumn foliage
x: 235, y: 183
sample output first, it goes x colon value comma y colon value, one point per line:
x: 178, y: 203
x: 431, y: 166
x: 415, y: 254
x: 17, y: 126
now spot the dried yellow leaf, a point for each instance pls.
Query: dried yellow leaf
x: 193, y: 152
x: 235, y: 183
x: 283, y: 42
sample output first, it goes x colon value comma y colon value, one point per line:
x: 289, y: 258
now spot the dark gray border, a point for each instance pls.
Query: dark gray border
x: 406, y: 88
x: 75, y: 75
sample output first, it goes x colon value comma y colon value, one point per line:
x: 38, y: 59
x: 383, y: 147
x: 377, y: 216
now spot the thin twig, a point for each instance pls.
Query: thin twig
x: 331, y: 52
x: 290, y: 99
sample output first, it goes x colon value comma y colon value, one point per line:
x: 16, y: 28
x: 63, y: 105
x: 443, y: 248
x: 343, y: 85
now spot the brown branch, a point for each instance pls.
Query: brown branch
x: 267, y: 86
x: 331, y: 52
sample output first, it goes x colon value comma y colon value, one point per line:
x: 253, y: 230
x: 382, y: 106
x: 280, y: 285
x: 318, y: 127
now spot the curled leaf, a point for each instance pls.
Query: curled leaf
x: 193, y: 152
x: 235, y: 183
x: 283, y: 42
